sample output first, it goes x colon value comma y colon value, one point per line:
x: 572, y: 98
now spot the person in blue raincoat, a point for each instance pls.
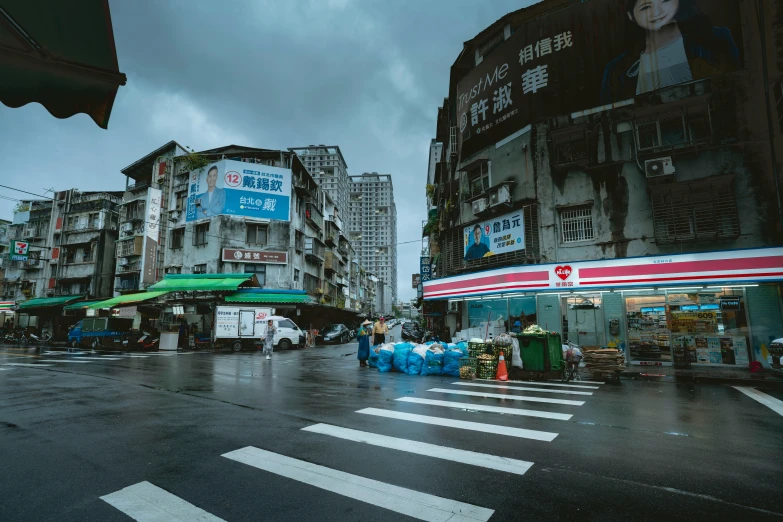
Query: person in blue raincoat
x: 364, y: 343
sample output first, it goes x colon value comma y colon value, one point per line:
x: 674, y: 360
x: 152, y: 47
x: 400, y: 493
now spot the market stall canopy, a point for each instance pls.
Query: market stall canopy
x: 267, y: 297
x: 61, y: 55
x: 81, y: 305
x: 205, y: 282
x: 46, y: 302
x: 127, y: 299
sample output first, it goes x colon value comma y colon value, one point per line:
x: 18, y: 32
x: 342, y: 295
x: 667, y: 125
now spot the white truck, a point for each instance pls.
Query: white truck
x: 244, y: 328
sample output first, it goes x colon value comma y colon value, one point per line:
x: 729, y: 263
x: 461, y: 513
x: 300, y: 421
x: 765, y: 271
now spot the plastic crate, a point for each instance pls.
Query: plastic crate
x: 487, y: 368
x: 468, y: 367
x: 476, y: 349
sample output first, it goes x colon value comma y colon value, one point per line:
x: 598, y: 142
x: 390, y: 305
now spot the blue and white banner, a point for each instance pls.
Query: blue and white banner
x: 237, y: 188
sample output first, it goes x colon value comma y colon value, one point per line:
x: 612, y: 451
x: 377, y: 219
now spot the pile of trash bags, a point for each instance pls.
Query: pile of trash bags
x: 421, y: 359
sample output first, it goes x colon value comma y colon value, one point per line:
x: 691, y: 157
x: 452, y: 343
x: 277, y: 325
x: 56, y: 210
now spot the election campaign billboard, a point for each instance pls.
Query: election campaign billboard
x: 495, y: 236
x: 237, y: 188
x: 591, y: 54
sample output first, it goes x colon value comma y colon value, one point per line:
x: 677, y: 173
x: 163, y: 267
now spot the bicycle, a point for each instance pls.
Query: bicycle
x: 573, y: 356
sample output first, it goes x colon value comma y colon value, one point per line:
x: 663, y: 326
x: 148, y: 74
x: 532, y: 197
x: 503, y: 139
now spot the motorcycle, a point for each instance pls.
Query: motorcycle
x: 45, y: 338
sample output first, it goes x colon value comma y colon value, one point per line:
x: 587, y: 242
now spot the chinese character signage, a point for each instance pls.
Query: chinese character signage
x: 237, y: 188
x: 416, y: 281
x: 593, y: 53
x: 425, y: 268
x: 496, y: 236
x: 151, y: 236
x: 239, y: 255
x: 20, y: 250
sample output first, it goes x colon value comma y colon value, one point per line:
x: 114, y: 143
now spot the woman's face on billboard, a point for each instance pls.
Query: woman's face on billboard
x: 652, y: 15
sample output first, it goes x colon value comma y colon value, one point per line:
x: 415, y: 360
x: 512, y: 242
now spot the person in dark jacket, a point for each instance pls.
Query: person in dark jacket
x: 667, y: 42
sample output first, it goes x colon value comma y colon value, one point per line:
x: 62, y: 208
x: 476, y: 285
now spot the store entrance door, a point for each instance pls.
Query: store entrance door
x: 583, y: 320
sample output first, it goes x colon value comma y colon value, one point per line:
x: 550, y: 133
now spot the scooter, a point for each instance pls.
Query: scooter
x: 44, y: 339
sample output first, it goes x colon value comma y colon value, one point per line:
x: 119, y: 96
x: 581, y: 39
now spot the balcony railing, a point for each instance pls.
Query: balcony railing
x: 314, y: 250
x: 314, y: 216
x: 130, y: 267
x: 138, y: 186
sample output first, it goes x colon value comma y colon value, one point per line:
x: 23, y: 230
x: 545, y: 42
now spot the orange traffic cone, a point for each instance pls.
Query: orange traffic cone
x: 502, y: 374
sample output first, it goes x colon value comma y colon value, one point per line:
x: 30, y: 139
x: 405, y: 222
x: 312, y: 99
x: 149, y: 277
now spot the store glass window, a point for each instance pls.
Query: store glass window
x: 583, y: 320
x: 648, y: 330
x: 521, y: 313
x: 487, y: 317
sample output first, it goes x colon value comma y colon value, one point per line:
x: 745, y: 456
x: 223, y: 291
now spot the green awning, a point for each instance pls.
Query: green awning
x: 47, y: 302
x: 202, y: 282
x: 250, y: 297
x: 127, y: 299
x: 80, y: 305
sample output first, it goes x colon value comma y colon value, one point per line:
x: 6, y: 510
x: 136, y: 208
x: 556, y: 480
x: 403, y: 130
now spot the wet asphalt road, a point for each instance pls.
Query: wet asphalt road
x: 72, y: 432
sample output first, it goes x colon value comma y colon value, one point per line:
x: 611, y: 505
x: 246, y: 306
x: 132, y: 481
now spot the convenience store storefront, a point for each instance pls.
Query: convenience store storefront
x: 716, y: 308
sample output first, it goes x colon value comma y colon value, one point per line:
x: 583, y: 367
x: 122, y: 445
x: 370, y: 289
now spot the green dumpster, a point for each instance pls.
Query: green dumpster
x: 541, y: 352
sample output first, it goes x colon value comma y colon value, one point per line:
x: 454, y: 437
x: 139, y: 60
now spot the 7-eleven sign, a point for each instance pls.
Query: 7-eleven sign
x: 20, y: 250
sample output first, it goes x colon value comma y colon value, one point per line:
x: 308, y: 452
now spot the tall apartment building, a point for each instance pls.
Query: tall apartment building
x: 372, y: 221
x: 328, y: 168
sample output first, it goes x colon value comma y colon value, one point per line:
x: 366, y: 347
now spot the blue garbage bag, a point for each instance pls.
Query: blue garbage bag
x: 385, y: 360
x: 415, y: 362
x: 433, y: 363
x: 372, y: 361
x: 401, y: 353
x: 463, y: 347
x: 451, y: 362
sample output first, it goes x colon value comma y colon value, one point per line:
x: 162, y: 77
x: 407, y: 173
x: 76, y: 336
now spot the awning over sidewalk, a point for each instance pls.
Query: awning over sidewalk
x: 46, y: 302
x: 127, y: 299
x: 266, y: 297
x: 204, y: 282
x: 81, y: 305
x: 61, y: 55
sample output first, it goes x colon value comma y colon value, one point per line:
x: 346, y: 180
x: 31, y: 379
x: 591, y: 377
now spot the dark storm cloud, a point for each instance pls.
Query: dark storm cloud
x: 367, y: 75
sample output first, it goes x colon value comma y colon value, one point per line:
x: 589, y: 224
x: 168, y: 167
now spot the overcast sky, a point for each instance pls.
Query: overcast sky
x: 367, y: 75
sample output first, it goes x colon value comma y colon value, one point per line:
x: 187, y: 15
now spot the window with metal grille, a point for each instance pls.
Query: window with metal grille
x: 699, y: 210
x: 258, y: 269
x: 576, y: 224
x: 681, y: 128
x: 178, y: 238
x: 256, y: 234
x: 200, y: 269
x: 200, y: 234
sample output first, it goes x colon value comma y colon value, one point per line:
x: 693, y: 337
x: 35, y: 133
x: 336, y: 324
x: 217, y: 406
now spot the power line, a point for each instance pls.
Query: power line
x: 24, y: 191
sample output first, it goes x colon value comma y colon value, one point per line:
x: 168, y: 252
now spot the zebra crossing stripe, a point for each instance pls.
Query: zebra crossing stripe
x: 522, y: 388
x: 27, y: 365
x: 65, y: 361
x: 147, y: 502
x: 518, y: 467
x: 538, y: 383
x: 591, y: 382
x: 97, y: 359
x: 491, y: 409
x: 421, y: 506
x: 508, y: 397
x: 464, y: 425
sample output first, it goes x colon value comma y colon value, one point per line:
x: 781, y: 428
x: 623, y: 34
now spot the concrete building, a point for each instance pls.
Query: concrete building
x: 372, y: 221
x: 329, y: 169
x: 612, y: 218
x: 305, y: 249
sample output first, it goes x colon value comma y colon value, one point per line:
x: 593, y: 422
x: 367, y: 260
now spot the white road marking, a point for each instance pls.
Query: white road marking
x: 591, y: 382
x: 147, y: 502
x: 518, y: 467
x: 26, y: 365
x: 394, y: 498
x: 98, y: 358
x: 509, y: 397
x: 463, y: 425
x: 522, y: 388
x: 770, y: 402
x: 536, y: 383
x: 492, y: 409
x: 3, y: 369
x: 136, y: 356
x: 65, y: 361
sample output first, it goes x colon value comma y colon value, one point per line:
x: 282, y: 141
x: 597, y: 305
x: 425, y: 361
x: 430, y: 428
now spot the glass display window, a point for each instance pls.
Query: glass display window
x: 648, y: 328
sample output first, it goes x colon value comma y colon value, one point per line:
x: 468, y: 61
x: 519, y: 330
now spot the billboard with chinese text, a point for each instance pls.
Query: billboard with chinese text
x: 495, y: 236
x: 237, y: 188
x: 594, y: 53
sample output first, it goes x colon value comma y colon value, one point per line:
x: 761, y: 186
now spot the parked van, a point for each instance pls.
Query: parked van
x: 245, y: 328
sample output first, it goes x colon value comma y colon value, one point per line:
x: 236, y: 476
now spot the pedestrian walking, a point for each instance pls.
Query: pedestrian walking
x: 379, y: 332
x: 269, y: 339
x: 182, y: 339
x: 363, y: 334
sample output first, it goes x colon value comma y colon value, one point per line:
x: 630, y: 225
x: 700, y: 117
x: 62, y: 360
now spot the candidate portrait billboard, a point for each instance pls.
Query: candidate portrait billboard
x: 236, y: 188
x: 495, y: 236
x: 591, y: 54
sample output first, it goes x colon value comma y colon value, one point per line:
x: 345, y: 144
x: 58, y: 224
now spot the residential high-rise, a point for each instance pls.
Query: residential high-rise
x: 372, y: 222
x: 327, y: 166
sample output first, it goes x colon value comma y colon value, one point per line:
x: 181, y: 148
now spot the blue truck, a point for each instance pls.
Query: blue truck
x: 100, y: 332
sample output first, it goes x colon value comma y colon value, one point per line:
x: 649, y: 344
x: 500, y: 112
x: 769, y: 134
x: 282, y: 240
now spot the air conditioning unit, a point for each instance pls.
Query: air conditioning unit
x: 126, y: 227
x: 174, y: 215
x: 479, y: 206
x: 658, y: 167
x: 123, y: 261
x: 454, y: 307
x: 500, y: 196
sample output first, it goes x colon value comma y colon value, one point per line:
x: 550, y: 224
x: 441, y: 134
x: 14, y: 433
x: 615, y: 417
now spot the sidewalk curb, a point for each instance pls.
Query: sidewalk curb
x: 769, y: 381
